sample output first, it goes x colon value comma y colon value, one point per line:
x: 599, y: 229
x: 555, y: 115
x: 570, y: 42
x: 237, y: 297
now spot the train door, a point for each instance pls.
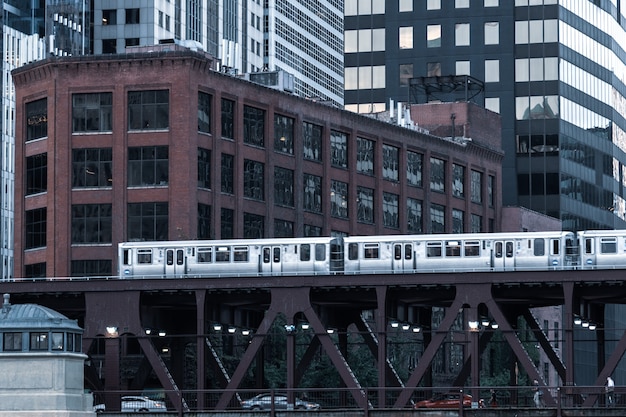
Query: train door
x: 503, y: 255
x: 175, y: 262
x: 271, y: 260
x: 402, y: 257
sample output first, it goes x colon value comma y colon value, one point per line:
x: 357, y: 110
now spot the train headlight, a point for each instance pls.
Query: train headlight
x: 555, y: 262
x: 127, y: 272
x: 589, y: 262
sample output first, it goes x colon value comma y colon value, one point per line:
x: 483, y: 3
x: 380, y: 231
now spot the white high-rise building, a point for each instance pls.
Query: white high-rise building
x: 303, y: 38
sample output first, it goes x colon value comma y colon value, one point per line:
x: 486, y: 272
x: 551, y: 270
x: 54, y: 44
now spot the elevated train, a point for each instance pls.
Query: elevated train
x: 374, y: 254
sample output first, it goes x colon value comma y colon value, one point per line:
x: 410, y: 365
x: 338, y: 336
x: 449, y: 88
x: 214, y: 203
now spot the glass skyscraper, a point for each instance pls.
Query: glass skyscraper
x: 553, y: 69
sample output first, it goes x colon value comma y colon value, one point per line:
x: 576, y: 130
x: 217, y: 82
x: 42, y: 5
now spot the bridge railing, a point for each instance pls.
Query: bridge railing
x: 518, y: 397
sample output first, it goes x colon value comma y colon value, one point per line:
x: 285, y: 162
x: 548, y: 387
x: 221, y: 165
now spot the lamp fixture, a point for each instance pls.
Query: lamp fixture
x: 162, y: 333
x: 473, y: 325
x: 232, y: 329
x: 217, y: 327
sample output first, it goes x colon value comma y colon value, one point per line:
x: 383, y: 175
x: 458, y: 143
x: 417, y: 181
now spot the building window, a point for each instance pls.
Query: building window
x: 461, y: 4
x: 338, y: 149
x: 458, y: 180
x: 433, y: 36
x: 147, y: 221
x: 312, y: 141
x: 204, y: 168
x: 253, y: 180
x: 405, y: 5
x: 283, y: 134
x: 491, y: 3
x: 92, y: 167
x: 227, y: 223
x: 254, y: 126
x: 92, y: 268
x: 462, y: 68
x: 406, y: 37
x: 433, y: 69
x: 492, y: 33
x: 35, y: 228
x: 490, y: 190
x: 283, y: 187
x: 437, y: 175
x: 38, y: 341
x: 414, y: 215
x: 493, y: 104
x: 37, y: 270
x: 37, y: 119
x: 92, y: 223
x: 92, y: 112
x: 148, y: 110
x: 462, y: 34
x: 492, y: 70
x: 109, y: 46
x: 391, y: 163
x: 310, y: 230
x: 365, y: 156
x: 228, y: 173
x: 477, y: 187
x: 11, y: 341
x: 433, y: 4
x: 253, y: 226
x: 109, y: 17
x: 283, y: 228
x: 476, y: 225
x: 437, y: 219
x: 390, y: 210
x: 414, y: 163
x: 204, y: 221
x: 365, y: 205
x: 228, y: 119
x: 132, y: 16
x: 406, y: 73
x: 37, y: 174
x: 339, y: 199
x: 312, y: 193
x: 458, y: 220
x: 131, y: 42
x: 147, y: 166
x: 204, y: 112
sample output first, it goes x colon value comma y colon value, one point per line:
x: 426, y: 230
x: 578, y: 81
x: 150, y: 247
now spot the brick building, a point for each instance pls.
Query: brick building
x: 160, y: 146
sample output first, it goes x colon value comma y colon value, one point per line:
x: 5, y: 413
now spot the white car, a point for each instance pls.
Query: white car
x: 133, y: 404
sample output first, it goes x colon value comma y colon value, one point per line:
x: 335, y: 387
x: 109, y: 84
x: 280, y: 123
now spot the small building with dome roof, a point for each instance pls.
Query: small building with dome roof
x: 42, y: 363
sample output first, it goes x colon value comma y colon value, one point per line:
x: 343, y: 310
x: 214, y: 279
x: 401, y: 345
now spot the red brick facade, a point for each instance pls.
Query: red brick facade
x: 183, y: 74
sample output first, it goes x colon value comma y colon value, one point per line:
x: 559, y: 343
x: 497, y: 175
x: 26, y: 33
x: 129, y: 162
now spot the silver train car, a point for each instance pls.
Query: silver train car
x: 602, y: 249
x: 227, y: 258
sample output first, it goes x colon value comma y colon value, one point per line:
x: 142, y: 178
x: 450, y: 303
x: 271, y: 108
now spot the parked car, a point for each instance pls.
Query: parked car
x: 264, y: 402
x: 445, y: 400
x: 134, y: 404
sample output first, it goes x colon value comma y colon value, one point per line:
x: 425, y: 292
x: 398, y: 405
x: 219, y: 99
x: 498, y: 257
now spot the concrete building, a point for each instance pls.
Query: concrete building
x: 42, y: 363
x: 553, y: 69
x: 162, y: 146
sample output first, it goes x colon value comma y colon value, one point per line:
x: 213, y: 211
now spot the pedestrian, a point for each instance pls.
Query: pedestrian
x: 609, y: 388
x: 537, y: 395
x: 493, y: 402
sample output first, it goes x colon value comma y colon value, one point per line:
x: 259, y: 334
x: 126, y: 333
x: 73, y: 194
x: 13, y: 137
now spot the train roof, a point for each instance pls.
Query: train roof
x: 596, y: 233
x: 457, y: 236
x: 231, y: 242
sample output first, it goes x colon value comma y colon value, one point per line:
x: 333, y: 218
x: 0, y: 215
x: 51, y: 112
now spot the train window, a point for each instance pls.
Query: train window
x: 305, y: 252
x: 266, y: 255
x: 397, y: 252
x: 126, y: 257
x: 276, y: 254
x: 556, y: 246
x: 222, y: 254
x: 144, y: 256
x: 588, y: 246
x: 169, y: 257
x: 408, y: 251
x: 608, y: 245
x: 179, y: 257
x: 353, y: 251
x: 453, y: 248
x: 205, y: 255
x: 539, y: 247
x: 509, y: 249
x: 370, y: 251
x: 434, y: 249
x: 320, y: 252
x: 471, y: 248
x: 241, y: 254
x: 498, y: 252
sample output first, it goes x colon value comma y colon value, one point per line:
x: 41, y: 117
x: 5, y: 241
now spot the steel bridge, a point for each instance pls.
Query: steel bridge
x: 186, y: 309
